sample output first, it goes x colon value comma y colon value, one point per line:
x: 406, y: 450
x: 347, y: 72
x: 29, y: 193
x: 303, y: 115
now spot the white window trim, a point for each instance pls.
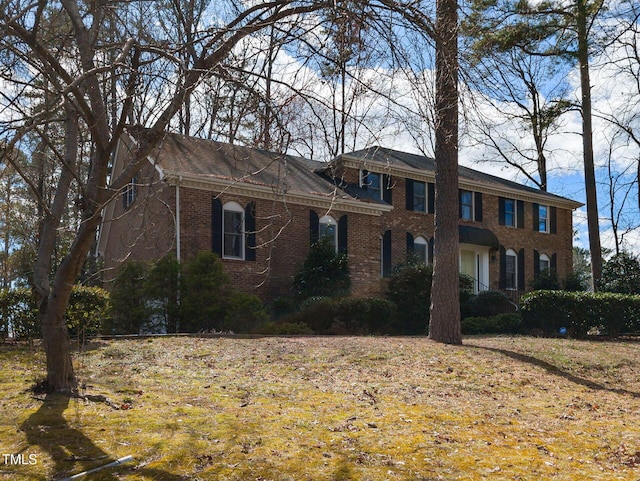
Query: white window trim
x: 422, y: 241
x: 328, y: 220
x: 426, y: 196
x: 473, y: 205
x: 546, y: 218
x: 129, y: 193
x: 234, y: 207
x: 514, y: 254
x: 515, y: 213
x: 365, y: 184
x: 544, y: 258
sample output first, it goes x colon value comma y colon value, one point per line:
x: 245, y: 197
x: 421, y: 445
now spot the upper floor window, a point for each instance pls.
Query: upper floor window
x: 470, y: 205
x: 543, y: 218
x: 129, y: 193
x: 372, y: 181
x: 377, y: 184
x: 233, y: 231
x: 510, y: 212
x: 328, y: 229
x: 419, y: 196
x: 466, y: 204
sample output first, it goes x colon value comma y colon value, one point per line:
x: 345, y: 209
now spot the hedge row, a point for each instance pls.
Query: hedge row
x: 580, y: 312
x: 344, y: 315
x: 88, y: 307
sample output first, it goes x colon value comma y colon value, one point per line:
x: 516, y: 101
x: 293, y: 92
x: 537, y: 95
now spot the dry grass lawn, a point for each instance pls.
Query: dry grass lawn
x: 329, y: 408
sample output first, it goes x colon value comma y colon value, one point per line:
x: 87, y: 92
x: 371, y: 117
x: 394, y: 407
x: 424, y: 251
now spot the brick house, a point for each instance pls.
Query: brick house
x: 261, y: 211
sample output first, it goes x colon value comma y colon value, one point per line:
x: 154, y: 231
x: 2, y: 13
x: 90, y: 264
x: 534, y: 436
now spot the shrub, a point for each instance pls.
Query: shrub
x: 580, y: 312
x: 410, y: 290
x: 161, y: 293
x: 19, y: 312
x: 88, y: 308
x: 546, y: 280
x: 244, y: 313
x: 324, y: 272
x: 347, y: 315
x: 129, y: 308
x: 621, y: 274
x: 285, y: 328
x: 490, y: 303
x: 510, y: 323
x: 205, y: 293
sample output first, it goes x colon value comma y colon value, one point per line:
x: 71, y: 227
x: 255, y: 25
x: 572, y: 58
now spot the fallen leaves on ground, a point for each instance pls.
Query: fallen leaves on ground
x: 331, y: 408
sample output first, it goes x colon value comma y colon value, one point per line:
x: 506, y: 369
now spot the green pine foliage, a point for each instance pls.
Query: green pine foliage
x: 324, y: 273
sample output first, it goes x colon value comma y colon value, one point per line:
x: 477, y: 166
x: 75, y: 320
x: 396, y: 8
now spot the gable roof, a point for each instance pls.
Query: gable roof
x: 390, y: 159
x: 208, y: 161
x: 179, y: 154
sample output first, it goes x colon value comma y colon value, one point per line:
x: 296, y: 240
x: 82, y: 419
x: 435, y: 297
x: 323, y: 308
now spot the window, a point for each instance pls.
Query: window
x: 543, y: 219
x: 233, y: 231
x: 544, y: 263
x: 372, y: 181
x: 328, y: 228
x: 129, y: 193
x: 511, y: 262
x: 510, y: 212
x: 466, y: 205
x: 420, y: 249
x: 419, y: 196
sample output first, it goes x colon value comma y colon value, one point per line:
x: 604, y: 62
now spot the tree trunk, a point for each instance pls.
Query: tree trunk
x: 587, y: 144
x: 445, y: 305
x: 52, y: 299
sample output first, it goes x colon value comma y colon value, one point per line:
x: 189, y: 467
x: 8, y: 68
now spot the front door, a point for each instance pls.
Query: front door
x: 468, y: 263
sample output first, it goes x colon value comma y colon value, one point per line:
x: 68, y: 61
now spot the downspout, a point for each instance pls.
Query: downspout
x: 178, y: 246
x: 178, y: 219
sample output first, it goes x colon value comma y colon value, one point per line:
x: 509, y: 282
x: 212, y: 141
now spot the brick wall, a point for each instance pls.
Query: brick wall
x: 145, y: 230
x: 282, y: 239
x: 402, y: 221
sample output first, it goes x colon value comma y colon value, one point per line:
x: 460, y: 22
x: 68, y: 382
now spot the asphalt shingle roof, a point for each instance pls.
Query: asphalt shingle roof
x: 208, y: 158
x: 415, y: 161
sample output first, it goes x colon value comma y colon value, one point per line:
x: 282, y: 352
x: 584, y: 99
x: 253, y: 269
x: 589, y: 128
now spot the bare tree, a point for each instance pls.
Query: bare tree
x: 91, y: 69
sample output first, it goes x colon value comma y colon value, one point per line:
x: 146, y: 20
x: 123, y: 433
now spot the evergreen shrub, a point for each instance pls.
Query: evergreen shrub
x: 580, y: 312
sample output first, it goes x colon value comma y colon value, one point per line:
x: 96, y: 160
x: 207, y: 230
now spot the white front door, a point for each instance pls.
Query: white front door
x: 474, y: 262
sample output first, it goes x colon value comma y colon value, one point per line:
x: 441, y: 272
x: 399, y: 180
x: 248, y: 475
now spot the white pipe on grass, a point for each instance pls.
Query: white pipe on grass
x: 118, y: 462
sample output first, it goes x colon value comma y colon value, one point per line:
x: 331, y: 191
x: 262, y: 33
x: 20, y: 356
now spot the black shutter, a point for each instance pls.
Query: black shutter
x: 478, y: 206
x: 553, y: 215
x: 409, y: 193
x: 216, y: 226
x: 520, y: 214
x: 503, y: 268
x: 536, y: 263
x: 342, y: 234
x: 536, y: 217
x: 364, y: 181
x: 409, y: 246
x: 386, y: 254
x: 250, y: 231
x: 459, y: 204
x: 521, y: 270
x: 314, y: 227
x: 431, y: 197
x: 554, y: 262
x: 430, y: 255
x: 501, y: 216
x: 386, y: 188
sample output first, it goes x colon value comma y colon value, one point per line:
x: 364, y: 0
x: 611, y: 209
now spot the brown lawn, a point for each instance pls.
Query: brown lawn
x: 329, y: 408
